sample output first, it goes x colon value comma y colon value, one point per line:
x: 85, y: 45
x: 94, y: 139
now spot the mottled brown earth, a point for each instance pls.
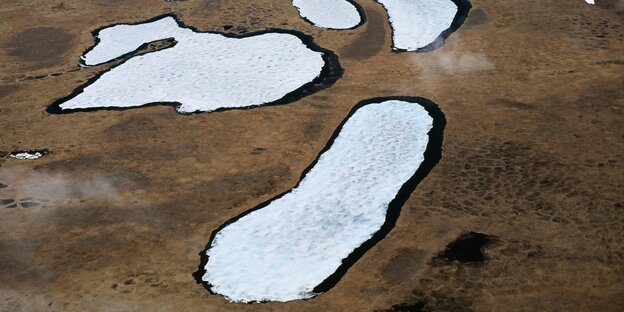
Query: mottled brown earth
x: 533, y: 93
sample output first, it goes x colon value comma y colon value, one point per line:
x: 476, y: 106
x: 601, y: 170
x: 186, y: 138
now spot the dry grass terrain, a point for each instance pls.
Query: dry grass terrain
x: 533, y: 154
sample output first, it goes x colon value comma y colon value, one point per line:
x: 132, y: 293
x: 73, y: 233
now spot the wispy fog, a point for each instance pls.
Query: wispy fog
x: 56, y: 186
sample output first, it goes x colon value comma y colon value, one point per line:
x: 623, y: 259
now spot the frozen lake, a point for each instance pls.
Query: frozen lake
x: 334, y: 14
x: 423, y: 25
x: 202, y: 72
x: 301, y: 242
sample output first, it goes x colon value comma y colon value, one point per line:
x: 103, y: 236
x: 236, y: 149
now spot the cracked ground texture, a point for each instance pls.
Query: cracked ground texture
x: 533, y: 155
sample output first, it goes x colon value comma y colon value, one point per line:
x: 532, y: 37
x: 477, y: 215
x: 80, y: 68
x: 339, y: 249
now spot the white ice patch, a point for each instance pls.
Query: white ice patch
x: 335, y: 14
x: 26, y: 155
x: 590, y: 1
x: 282, y: 251
x: 202, y: 72
x: 417, y: 23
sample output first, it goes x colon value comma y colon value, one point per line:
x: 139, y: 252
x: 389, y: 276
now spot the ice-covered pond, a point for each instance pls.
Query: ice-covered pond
x: 301, y: 242
x: 334, y: 14
x: 417, y: 25
x: 202, y: 72
x: 423, y: 25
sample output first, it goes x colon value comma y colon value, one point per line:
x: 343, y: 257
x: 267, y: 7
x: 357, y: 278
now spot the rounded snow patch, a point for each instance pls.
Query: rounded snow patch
x: 202, y: 71
x: 332, y: 14
x: 300, y: 243
x: 424, y: 25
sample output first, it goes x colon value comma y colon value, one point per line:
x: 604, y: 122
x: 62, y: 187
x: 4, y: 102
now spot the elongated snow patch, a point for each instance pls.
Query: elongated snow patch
x: 300, y: 243
x: 423, y: 25
x: 335, y: 14
x: 202, y: 71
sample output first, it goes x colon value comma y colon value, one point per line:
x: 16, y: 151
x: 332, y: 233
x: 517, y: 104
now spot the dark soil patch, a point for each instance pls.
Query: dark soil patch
x: 7, y: 201
x: 403, y: 266
x: 156, y: 46
x: 406, y: 307
x: 213, y: 6
x: 467, y: 248
x: 510, y: 103
x: 371, y: 40
x: 29, y: 204
x: 476, y: 17
x: 613, y: 6
x: 6, y: 90
x: 611, y: 62
x: 42, y: 46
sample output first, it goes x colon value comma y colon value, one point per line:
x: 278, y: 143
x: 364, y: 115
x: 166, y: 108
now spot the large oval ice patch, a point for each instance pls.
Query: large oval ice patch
x: 301, y: 242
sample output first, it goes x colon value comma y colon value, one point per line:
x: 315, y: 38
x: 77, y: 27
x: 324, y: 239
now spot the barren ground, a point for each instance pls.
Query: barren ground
x: 533, y: 93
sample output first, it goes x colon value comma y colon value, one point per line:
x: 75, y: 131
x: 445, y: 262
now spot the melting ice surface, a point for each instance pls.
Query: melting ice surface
x: 336, y: 14
x: 202, y: 72
x: 26, y: 155
x: 418, y: 23
x: 282, y: 251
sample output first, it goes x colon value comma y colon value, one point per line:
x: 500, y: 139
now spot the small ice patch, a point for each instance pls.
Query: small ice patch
x: 26, y: 155
x: 203, y: 71
x: 421, y: 24
x: 335, y: 14
x: 590, y: 1
x: 295, y: 242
